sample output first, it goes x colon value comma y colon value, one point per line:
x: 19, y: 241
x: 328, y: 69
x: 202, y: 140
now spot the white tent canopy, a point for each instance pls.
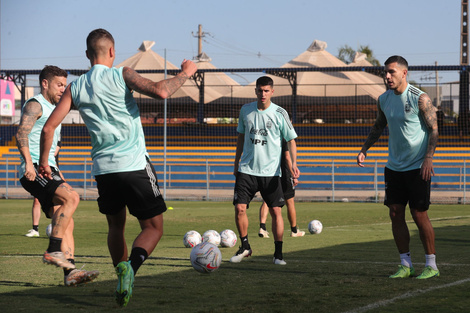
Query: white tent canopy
x: 321, y: 84
x: 215, y: 84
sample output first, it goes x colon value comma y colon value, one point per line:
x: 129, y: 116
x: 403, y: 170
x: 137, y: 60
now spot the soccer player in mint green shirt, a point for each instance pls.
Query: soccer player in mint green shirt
x: 413, y: 134
x: 124, y: 174
x: 262, y: 126
x: 57, y: 198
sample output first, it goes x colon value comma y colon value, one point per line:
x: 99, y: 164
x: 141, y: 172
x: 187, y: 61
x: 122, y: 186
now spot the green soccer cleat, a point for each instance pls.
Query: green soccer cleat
x: 403, y: 272
x: 428, y: 272
x: 125, y: 275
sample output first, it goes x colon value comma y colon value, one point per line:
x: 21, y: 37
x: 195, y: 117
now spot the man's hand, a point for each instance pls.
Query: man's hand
x: 427, y: 170
x: 188, y: 67
x: 45, y: 171
x: 360, y: 158
x: 30, y: 173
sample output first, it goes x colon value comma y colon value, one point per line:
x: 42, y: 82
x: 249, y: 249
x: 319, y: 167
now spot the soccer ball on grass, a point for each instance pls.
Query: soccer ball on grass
x: 49, y: 230
x: 191, y: 239
x: 206, y: 257
x: 315, y: 227
x: 228, y: 238
x: 212, y: 237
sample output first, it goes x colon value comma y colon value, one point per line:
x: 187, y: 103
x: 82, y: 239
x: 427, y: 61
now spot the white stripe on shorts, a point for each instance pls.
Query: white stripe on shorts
x: 153, y: 180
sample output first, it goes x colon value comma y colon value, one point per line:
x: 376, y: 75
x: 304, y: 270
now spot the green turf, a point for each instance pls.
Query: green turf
x: 343, y: 269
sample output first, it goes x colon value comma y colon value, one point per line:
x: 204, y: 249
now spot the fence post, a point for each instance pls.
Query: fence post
x: 376, y: 183
x: 333, y: 180
x: 465, y: 181
x: 6, y: 179
x: 84, y: 180
x: 207, y: 179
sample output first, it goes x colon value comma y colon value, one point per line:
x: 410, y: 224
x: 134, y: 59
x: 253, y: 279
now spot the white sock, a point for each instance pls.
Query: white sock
x: 431, y: 261
x: 405, y: 259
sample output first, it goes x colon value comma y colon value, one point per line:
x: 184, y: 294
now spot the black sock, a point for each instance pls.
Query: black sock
x: 138, y: 256
x: 36, y: 227
x: 294, y: 229
x: 278, y: 250
x: 245, y: 243
x: 262, y: 226
x: 67, y: 271
x: 54, y: 244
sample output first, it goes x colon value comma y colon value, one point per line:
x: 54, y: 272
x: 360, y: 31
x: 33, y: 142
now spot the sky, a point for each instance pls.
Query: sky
x: 238, y: 34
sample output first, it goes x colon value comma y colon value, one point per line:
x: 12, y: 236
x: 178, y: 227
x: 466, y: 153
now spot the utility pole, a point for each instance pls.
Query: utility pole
x: 200, y: 34
x: 438, y: 92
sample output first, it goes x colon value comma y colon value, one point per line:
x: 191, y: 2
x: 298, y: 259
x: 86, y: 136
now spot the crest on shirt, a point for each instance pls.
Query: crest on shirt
x: 269, y: 124
x: 407, y: 107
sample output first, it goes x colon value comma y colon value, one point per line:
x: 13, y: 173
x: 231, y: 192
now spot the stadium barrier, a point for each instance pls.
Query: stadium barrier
x: 324, y: 171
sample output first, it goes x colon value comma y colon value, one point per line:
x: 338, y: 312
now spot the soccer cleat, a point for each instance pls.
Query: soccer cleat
x: 32, y: 233
x: 79, y: 276
x: 299, y: 233
x: 428, y: 272
x: 403, y: 272
x: 279, y: 261
x: 125, y: 275
x: 241, y: 253
x: 58, y: 259
x: 263, y: 233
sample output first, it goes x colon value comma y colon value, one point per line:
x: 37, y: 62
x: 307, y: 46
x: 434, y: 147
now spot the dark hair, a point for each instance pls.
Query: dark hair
x: 398, y: 59
x: 265, y: 81
x: 93, y: 38
x: 51, y: 71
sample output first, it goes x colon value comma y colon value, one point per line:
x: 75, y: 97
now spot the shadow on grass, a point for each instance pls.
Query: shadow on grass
x: 331, y: 279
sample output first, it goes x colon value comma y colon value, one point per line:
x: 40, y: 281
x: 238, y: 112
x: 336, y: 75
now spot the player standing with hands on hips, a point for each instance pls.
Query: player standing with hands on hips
x: 121, y: 164
x: 262, y: 126
x: 413, y: 134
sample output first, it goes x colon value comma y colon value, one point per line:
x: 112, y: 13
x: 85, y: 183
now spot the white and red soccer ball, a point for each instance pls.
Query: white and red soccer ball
x: 206, y: 257
x: 228, y: 238
x: 212, y: 237
x: 191, y: 239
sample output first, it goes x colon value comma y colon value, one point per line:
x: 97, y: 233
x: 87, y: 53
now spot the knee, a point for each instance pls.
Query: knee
x: 396, y: 210
x: 72, y: 200
x: 240, y: 210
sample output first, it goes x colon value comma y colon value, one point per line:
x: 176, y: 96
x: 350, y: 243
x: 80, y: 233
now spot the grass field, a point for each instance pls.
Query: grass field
x: 343, y: 269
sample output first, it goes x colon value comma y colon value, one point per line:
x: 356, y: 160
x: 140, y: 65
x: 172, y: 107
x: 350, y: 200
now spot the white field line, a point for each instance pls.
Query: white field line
x: 409, y: 294
x: 409, y: 221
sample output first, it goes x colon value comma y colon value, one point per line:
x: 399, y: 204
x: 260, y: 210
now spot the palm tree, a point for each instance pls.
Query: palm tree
x: 347, y: 53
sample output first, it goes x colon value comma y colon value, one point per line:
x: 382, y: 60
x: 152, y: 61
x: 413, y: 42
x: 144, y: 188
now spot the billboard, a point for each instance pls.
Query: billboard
x: 7, y: 98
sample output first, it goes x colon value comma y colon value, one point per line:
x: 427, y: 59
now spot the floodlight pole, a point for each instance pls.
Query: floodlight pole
x: 464, y: 73
x: 164, y: 135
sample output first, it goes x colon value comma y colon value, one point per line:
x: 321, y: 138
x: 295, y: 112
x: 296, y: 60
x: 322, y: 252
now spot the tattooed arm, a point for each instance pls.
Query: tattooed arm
x: 32, y: 111
x: 162, y: 89
x: 374, y: 135
x: 428, y: 113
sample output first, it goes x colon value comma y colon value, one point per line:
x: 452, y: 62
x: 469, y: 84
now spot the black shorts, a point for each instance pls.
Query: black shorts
x: 138, y: 190
x: 288, y: 187
x: 43, y: 189
x: 270, y: 188
x: 407, y: 187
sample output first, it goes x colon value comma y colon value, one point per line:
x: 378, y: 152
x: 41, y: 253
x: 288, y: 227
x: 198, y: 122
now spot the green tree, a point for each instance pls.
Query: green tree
x: 347, y: 53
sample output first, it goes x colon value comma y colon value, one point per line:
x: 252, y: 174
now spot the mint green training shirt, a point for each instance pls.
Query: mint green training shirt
x: 264, y: 131
x: 408, y: 134
x: 34, y: 136
x: 112, y: 117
